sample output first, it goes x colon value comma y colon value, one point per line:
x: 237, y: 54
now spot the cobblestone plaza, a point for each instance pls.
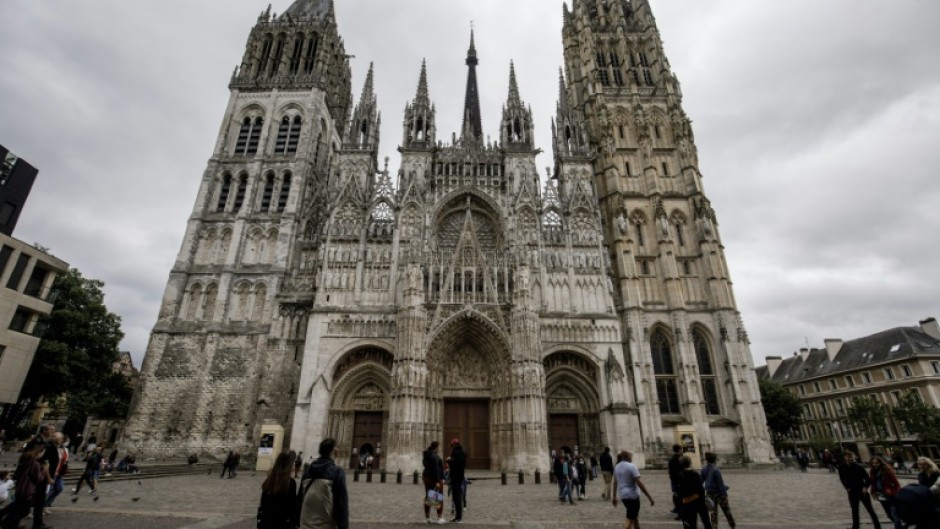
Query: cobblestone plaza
x: 785, y: 499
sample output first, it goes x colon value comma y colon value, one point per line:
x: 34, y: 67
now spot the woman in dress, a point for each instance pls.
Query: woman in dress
x: 884, y: 488
x: 279, y: 505
x: 433, y: 476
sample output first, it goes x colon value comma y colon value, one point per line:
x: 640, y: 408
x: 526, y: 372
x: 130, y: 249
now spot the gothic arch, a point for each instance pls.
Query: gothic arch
x: 291, y: 108
x: 455, y: 200
x: 571, y: 390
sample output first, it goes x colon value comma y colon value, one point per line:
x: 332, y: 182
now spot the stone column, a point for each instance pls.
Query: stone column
x: 408, y: 409
x: 529, y: 428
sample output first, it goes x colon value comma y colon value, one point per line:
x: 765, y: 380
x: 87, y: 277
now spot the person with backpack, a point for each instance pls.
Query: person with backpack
x: 324, y: 500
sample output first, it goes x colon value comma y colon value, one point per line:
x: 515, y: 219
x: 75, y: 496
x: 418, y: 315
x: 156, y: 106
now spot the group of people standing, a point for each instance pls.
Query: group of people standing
x: 436, y: 473
x: 904, y: 507
x: 571, y: 474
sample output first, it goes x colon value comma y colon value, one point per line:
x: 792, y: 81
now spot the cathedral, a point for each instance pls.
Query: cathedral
x: 465, y: 294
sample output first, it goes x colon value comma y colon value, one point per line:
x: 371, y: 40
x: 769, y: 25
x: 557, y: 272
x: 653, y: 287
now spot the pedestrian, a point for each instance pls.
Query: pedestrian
x: 458, y: 465
x: 233, y: 470
x: 802, y: 458
x: 929, y: 472
x: 626, y: 485
x: 582, y: 470
x: 90, y: 474
x: 279, y: 506
x: 298, y: 463
x: 885, y: 487
x: 562, y: 471
x: 3, y: 440
x: 692, y: 497
x: 50, y: 462
x: 57, y: 474
x: 856, y: 483
x: 716, y: 491
x: 77, y: 443
x: 593, y: 461
x: 31, y: 477
x: 324, y: 498
x: 827, y: 461
x: 552, y: 456
x: 675, y: 476
x: 433, y: 477
x: 607, y: 469
x: 227, y: 464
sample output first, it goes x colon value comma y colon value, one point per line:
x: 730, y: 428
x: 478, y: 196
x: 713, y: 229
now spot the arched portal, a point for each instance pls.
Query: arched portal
x: 573, y: 402
x: 359, y: 406
x: 469, y: 387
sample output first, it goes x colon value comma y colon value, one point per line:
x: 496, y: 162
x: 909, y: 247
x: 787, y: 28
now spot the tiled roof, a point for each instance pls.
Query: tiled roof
x: 883, y: 347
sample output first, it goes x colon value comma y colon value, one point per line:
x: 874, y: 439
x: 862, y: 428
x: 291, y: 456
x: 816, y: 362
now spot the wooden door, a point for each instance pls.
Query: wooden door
x: 469, y: 421
x: 367, y: 431
x: 563, y: 431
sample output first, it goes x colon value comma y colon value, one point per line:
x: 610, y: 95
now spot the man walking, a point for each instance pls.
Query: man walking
x: 675, y: 478
x: 59, y: 471
x: 856, y: 482
x: 626, y: 485
x: 607, y: 470
x: 458, y: 465
x: 324, y: 498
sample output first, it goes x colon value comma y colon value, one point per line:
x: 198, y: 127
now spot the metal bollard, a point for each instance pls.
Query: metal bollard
x: 416, y: 477
x: 382, y: 476
x: 369, y: 476
x: 538, y: 477
x: 356, y: 475
x: 503, y: 475
x: 398, y: 477
x: 521, y: 477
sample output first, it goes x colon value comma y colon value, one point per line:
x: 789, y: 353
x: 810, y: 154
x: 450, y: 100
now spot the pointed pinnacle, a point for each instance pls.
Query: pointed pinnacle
x: 562, y: 90
x: 513, y: 85
x: 368, y: 87
x: 423, y: 81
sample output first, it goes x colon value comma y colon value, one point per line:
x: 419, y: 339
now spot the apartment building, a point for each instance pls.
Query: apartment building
x: 883, y: 366
x: 26, y: 276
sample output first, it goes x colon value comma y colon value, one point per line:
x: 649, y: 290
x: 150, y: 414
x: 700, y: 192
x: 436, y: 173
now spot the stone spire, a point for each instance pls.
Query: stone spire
x: 472, y: 124
x: 419, y: 131
x: 516, y: 130
x: 368, y: 90
x: 363, y: 129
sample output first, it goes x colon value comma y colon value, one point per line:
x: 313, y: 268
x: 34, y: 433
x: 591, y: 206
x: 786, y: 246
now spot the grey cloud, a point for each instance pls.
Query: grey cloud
x: 815, y: 123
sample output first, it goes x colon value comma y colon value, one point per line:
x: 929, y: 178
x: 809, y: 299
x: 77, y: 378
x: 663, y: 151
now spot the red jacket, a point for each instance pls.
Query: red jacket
x: 889, y: 483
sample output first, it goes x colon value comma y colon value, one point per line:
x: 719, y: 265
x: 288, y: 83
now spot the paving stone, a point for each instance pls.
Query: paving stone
x: 759, y: 499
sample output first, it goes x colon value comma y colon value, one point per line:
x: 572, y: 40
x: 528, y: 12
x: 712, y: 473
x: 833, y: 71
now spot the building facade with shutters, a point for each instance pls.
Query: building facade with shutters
x: 884, y: 366
x: 477, y: 298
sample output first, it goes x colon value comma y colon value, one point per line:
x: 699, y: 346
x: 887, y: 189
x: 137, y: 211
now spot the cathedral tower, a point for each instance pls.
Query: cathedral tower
x: 224, y: 354
x: 688, y: 352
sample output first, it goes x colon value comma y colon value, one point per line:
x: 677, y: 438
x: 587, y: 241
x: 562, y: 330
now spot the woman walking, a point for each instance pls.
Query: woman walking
x: 433, y: 476
x: 278, y: 509
x: 716, y: 490
x: 692, y: 497
x: 885, y: 487
x: 31, y: 479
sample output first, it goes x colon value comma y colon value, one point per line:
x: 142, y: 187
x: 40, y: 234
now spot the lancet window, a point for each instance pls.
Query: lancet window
x: 667, y: 391
x: 706, y: 371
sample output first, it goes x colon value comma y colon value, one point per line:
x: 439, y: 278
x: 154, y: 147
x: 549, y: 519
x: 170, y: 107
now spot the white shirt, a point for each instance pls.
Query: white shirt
x: 5, y: 488
x: 627, y: 474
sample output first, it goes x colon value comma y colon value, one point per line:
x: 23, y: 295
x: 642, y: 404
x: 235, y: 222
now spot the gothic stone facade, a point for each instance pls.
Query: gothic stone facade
x: 469, y: 300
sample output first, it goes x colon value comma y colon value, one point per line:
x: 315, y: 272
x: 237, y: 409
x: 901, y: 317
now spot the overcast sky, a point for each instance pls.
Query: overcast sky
x: 817, y: 123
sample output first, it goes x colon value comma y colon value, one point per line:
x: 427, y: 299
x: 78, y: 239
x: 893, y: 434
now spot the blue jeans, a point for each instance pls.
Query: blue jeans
x: 57, y: 487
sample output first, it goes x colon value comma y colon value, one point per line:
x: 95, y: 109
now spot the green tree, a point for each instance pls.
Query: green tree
x: 782, y: 409
x: 868, y: 416
x: 72, y: 367
x: 918, y: 418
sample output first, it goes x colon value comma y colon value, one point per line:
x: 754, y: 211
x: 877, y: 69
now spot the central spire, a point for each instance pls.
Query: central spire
x: 472, y: 125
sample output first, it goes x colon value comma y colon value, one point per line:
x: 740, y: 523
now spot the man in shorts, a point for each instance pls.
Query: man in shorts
x: 626, y: 485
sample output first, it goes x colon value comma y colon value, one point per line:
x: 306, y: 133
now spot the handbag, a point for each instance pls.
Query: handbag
x: 434, y: 498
